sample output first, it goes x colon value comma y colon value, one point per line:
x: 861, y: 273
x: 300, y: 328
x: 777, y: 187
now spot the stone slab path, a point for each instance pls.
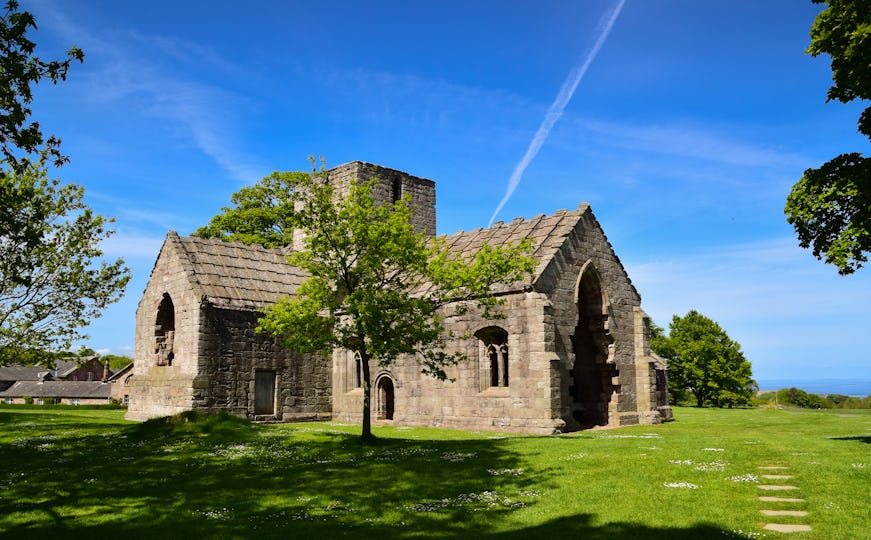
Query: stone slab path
x: 780, y: 511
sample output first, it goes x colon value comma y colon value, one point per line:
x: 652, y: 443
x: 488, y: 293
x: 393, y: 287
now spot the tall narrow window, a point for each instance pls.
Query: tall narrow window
x: 164, y: 331
x: 494, y: 366
x: 397, y: 189
x: 503, y: 353
x: 493, y: 357
x: 358, y: 371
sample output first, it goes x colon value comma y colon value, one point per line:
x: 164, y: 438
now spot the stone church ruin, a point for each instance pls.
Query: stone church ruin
x: 572, y: 353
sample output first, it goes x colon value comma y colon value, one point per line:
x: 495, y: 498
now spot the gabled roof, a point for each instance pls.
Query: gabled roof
x: 236, y: 275
x: 548, y: 234
x: 241, y: 276
x: 60, y: 389
x: 64, y: 367
x: 118, y: 375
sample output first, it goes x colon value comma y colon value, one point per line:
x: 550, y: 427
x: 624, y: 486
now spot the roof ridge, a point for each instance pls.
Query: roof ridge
x: 582, y: 207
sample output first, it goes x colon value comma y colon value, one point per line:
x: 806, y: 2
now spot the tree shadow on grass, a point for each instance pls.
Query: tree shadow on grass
x: 861, y: 438
x: 205, y: 480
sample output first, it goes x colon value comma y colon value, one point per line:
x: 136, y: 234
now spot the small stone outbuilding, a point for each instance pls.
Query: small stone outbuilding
x: 196, y: 344
x: 573, y: 351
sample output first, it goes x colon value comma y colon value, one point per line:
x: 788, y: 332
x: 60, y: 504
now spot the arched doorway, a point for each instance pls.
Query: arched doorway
x: 385, y: 401
x: 591, y: 388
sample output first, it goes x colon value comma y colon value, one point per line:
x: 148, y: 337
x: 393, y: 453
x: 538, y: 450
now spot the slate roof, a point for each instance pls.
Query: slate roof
x: 66, y: 366
x: 237, y: 275
x: 548, y: 234
x: 24, y: 373
x: 60, y: 389
x: 241, y: 276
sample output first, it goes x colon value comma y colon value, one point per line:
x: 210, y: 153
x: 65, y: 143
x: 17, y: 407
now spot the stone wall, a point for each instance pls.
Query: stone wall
x: 467, y: 400
x: 160, y: 390
x: 231, y: 354
x: 392, y: 183
x: 583, y: 290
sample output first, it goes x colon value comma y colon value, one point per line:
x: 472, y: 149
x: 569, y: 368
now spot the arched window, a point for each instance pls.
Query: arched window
x: 493, y: 364
x: 164, y: 331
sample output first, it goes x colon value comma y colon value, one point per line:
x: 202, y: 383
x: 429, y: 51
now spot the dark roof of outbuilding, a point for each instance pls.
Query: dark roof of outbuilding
x: 24, y: 373
x: 61, y: 389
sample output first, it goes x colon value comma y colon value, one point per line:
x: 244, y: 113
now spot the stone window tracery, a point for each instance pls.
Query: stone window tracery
x: 493, y: 364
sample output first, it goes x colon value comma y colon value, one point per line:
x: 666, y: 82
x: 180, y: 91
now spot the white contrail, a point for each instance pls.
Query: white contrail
x: 559, y: 105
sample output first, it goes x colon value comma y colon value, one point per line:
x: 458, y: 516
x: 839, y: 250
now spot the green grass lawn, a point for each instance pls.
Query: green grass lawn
x: 90, y: 474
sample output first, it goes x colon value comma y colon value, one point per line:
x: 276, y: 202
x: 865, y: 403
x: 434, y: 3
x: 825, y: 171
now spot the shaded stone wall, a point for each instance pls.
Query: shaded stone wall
x: 160, y: 390
x: 589, y: 246
x: 232, y: 352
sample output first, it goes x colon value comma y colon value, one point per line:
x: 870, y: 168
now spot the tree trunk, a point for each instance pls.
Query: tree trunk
x: 367, y: 396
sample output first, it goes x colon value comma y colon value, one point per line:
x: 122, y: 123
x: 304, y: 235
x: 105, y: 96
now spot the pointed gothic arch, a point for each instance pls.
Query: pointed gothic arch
x: 592, y: 372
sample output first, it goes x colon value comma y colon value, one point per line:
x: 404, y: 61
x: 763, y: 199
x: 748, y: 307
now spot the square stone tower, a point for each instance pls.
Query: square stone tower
x: 392, y: 185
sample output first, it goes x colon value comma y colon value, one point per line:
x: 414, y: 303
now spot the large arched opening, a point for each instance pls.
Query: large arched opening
x: 591, y: 375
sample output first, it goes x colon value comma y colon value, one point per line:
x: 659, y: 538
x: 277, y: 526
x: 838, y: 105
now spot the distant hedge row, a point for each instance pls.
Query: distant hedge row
x: 799, y: 398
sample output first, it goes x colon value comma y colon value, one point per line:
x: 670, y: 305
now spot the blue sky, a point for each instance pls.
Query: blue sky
x: 685, y: 134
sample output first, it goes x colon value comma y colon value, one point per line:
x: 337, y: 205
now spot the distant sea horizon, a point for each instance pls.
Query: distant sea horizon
x: 848, y: 387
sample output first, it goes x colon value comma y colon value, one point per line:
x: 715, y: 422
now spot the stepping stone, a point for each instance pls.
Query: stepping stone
x: 780, y: 499
x: 775, y: 488
x: 777, y: 476
x: 800, y: 513
x: 772, y: 467
x: 780, y: 527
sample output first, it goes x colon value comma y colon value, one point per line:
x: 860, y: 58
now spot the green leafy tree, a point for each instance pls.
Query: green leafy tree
x: 19, y: 69
x: 379, y: 288
x: 705, y: 362
x: 661, y: 345
x: 116, y: 361
x: 262, y: 214
x: 51, y: 285
x: 830, y: 207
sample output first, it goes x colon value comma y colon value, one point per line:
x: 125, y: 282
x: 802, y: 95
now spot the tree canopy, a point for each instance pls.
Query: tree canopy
x: 262, y: 214
x: 50, y: 284
x: 830, y: 207
x: 19, y: 69
x: 379, y: 288
x: 704, y: 362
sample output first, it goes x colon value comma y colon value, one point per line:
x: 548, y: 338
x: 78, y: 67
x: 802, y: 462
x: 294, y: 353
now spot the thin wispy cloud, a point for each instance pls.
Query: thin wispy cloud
x: 686, y: 141
x: 200, y: 113
x: 747, y: 282
x: 766, y: 295
x: 558, y: 106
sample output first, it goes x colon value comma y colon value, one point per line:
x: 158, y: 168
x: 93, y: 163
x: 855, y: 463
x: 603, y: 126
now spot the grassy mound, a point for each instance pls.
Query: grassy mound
x: 218, y: 426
